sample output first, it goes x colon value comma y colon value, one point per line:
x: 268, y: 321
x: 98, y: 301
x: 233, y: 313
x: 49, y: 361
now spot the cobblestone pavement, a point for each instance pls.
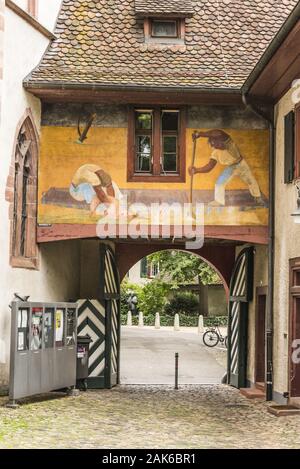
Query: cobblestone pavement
x: 204, y: 416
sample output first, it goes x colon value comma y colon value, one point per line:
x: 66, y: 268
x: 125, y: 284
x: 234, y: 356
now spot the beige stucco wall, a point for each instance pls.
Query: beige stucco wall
x: 57, y: 278
x: 287, y: 246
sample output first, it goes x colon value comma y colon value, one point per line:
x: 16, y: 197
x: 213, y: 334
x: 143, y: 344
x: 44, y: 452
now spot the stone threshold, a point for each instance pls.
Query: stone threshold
x: 283, y: 410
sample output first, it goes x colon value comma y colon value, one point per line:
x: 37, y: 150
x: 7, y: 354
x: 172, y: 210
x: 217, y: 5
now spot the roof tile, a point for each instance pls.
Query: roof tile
x: 101, y: 42
x: 146, y: 8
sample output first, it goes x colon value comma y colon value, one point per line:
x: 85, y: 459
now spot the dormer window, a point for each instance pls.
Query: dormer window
x: 164, y: 28
x: 164, y: 20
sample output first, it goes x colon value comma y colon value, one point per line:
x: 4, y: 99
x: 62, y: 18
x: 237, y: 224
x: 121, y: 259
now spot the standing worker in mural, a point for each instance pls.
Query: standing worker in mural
x: 93, y: 185
x: 226, y: 153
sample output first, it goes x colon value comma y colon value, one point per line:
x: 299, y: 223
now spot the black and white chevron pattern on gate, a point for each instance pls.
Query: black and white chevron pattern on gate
x: 110, y: 284
x: 91, y: 321
x: 234, y: 338
x: 114, y: 338
x: 238, y: 291
x: 241, y: 292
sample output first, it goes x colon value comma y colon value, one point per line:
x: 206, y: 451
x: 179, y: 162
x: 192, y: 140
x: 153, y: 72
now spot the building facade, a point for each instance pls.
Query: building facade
x: 24, y: 42
x: 134, y: 106
x: 279, y: 99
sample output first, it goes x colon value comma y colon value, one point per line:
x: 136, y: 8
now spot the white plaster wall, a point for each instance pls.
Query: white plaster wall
x: 47, y: 11
x: 287, y: 246
x: 1, y: 48
x: 22, y: 4
x: 134, y: 275
x: 58, y: 276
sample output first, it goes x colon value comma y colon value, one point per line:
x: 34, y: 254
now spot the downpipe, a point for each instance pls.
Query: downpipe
x: 270, y: 297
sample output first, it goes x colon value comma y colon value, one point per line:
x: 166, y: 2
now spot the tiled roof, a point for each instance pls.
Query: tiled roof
x: 101, y: 42
x: 163, y: 7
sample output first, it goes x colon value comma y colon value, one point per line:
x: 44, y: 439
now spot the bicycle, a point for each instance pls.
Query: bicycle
x: 213, y: 336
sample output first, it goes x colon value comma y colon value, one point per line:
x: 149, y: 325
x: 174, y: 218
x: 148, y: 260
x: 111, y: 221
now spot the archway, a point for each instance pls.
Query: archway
x: 221, y: 257
x: 148, y: 352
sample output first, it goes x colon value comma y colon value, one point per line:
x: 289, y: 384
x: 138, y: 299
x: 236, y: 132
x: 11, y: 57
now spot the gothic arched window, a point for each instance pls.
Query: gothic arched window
x: 24, y: 252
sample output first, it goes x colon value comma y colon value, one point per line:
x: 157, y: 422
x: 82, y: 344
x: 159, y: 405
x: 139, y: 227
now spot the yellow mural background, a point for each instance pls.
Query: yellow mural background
x: 61, y: 156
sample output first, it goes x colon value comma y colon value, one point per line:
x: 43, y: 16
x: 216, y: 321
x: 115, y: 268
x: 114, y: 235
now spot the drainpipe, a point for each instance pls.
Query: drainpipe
x: 270, y: 299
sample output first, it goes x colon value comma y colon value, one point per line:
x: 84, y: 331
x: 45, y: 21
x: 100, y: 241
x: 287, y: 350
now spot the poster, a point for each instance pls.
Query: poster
x: 59, y: 325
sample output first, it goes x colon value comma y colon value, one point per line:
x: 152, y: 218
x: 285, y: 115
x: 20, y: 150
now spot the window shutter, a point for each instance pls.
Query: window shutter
x: 289, y: 147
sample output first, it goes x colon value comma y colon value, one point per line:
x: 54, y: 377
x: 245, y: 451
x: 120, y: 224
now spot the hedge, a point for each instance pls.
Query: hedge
x: 185, y: 321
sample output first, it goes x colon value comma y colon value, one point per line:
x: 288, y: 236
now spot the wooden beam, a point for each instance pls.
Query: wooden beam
x: 127, y: 96
x: 246, y: 234
x: 282, y: 69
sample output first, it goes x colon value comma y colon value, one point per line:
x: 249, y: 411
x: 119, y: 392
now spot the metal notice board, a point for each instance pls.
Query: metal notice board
x: 43, y: 348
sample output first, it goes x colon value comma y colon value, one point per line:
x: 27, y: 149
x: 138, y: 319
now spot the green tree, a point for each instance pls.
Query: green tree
x: 154, y: 297
x: 181, y: 267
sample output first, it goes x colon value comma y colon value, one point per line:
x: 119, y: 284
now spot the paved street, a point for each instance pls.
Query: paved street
x: 147, y: 357
x: 205, y: 416
x: 148, y: 415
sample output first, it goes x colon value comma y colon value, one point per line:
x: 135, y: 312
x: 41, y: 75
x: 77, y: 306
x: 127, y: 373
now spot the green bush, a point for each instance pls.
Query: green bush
x: 185, y: 321
x: 153, y: 297
x: 183, y: 303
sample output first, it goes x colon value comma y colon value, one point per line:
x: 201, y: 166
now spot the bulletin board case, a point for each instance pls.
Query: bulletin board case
x: 43, y: 348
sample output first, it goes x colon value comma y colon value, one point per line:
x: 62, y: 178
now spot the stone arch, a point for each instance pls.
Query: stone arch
x: 220, y: 257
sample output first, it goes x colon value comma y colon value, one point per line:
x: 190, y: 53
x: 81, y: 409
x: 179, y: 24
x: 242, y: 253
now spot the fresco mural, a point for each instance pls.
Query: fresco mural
x: 83, y: 172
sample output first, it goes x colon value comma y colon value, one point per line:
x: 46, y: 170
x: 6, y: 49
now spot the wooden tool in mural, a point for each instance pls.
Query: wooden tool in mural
x: 83, y: 134
x: 226, y: 153
x: 194, y: 136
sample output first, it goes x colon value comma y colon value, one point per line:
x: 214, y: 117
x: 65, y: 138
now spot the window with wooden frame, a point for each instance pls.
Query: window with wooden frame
x: 165, y: 30
x: 156, y: 144
x: 24, y: 252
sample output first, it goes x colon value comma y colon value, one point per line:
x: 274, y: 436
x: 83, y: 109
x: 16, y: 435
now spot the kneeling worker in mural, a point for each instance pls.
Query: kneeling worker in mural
x: 93, y: 185
x: 227, y: 153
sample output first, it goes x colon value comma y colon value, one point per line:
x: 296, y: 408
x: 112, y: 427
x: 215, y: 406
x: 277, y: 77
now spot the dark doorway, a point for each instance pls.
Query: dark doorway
x: 260, y: 341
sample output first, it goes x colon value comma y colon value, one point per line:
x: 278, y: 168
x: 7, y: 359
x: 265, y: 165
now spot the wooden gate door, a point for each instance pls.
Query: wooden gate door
x: 294, y: 332
x: 100, y: 319
x: 110, y: 295
x: 241, y: 292
x: 91, y: 321
x: 260, y: 336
